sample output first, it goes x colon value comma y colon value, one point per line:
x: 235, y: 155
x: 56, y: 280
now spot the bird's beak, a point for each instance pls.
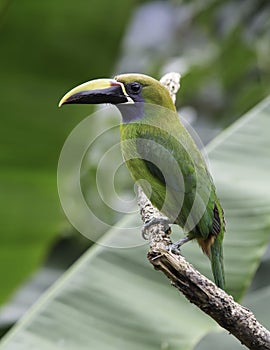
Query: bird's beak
x: 97, y: 91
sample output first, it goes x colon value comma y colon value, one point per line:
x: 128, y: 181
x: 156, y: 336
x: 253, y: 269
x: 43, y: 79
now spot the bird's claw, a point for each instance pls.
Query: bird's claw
x: 175, y: 247
x: 155, y: 221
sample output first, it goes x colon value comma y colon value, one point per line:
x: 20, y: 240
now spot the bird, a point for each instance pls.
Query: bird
x: 158, y: 149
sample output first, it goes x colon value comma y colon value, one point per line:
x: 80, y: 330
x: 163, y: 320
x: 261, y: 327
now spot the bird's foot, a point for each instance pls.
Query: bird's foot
x: 155, y: 221
x: 175, y: 247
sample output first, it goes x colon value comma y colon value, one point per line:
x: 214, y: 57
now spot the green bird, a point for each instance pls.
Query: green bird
x: 158, y: 149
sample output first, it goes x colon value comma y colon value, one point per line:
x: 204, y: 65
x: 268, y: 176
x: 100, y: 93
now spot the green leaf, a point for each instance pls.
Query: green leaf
x: 55, y: 47
x: 24, y: 241
x: 113, y: 299
x: 240, y: 164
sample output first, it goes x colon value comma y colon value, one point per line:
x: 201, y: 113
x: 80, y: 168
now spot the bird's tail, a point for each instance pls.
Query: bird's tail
x: 216, y: 257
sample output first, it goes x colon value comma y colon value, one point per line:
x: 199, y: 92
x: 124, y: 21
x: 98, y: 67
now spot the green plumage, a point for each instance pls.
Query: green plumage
x: 158, y: 149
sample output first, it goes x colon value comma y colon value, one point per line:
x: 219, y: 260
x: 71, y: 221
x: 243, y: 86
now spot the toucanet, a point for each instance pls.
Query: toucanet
x: 158, y: 149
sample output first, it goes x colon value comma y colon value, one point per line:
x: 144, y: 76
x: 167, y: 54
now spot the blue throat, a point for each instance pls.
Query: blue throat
x: 131, y: 112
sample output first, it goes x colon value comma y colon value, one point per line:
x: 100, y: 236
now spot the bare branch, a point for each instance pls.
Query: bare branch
x: 199, y: 290
x: 172, y: 82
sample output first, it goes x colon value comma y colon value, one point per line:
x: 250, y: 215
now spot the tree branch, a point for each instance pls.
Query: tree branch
x: 199, y: 290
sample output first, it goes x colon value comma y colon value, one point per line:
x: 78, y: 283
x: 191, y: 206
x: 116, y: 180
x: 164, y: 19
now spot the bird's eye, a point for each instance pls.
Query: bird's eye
x: 135, y: 87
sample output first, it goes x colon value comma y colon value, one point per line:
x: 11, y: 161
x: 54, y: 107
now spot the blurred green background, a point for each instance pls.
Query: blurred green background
x: 221, y: 49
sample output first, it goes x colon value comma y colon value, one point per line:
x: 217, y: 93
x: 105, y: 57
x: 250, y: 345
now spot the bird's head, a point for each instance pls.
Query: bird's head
x: 128, y: 91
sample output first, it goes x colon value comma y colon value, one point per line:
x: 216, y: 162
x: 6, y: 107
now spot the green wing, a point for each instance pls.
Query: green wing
x: 179, y: 167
